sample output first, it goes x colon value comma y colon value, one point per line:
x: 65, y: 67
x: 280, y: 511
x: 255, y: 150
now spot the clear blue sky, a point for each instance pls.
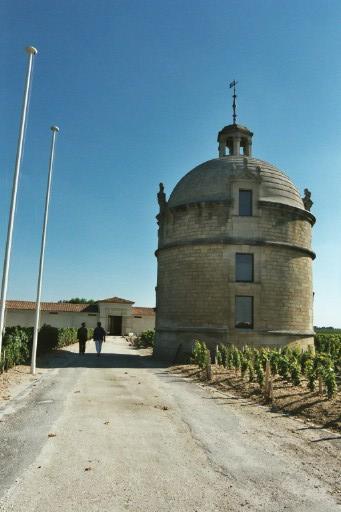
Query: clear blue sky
x: 140, y: 90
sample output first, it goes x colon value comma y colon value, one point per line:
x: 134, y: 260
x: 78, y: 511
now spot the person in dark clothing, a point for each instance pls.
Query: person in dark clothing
x: 82, y: 336
x: 99, y: 337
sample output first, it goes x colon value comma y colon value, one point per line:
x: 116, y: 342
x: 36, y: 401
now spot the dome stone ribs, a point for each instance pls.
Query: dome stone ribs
x: 277, y: 187
x: 210, y: 182
x: 206, y: 182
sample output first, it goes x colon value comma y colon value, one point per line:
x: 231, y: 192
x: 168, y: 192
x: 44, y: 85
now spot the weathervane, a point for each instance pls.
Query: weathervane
x: 233, y: 84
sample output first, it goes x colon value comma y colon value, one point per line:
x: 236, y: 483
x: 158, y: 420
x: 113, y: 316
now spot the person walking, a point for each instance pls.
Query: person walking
x: 82, y: 336
x: 99, y: 337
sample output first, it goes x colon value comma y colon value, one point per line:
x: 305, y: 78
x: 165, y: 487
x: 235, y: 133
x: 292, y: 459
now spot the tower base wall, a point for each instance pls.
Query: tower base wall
x: 176, y: 345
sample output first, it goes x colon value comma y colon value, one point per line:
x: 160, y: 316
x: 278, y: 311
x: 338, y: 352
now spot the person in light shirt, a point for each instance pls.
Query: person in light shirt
x: 99, y: 337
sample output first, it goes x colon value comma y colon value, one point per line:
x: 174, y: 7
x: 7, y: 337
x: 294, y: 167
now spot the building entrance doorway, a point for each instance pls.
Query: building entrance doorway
x: 115, y: 325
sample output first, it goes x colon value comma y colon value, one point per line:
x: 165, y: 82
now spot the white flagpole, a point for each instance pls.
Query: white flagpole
x: 31, y: 53
x: 55, y: 130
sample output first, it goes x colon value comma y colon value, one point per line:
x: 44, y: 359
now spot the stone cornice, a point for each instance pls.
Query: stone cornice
x: 262, y: 203
x: 235, y: 241
x: 200, y: 204
x: 302, y: 214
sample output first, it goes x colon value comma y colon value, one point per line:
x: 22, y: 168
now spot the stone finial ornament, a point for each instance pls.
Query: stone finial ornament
x: 307, y: 200
x: 161, y: 196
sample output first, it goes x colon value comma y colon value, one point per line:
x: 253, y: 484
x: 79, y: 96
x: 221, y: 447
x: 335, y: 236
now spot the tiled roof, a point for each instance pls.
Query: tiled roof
x: 116, y: 300
x: 143, y: 311
x: 65, y: 307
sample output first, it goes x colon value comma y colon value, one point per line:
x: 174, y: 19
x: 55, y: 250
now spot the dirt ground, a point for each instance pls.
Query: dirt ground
x: 12, y: 379
x: 16, y: 379
x: 115, y: 422
x: 296, y: 400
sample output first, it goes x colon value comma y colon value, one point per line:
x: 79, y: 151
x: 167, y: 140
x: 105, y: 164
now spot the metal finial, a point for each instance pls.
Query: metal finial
x: 32, y: 50
x: 233, y: 84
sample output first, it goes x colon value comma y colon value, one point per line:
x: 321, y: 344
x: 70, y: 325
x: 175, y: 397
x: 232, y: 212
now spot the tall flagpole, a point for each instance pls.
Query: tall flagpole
x: 55, y: 130
x: 31, y: 53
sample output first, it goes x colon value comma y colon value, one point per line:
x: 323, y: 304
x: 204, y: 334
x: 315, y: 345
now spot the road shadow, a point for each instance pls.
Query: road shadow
x: 333, y: 424
x: 65, y: 358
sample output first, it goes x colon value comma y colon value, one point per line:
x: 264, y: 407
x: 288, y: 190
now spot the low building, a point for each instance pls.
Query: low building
x: 118, y: 316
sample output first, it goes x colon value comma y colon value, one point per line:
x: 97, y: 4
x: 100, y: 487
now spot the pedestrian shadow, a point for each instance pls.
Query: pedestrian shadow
x: 66, y: 359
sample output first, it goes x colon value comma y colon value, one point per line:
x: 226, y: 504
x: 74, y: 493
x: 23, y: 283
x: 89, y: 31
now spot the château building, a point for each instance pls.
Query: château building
x: 118, y: 316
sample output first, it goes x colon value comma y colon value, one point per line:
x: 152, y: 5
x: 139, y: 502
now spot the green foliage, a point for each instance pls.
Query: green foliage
x: 16, y: 347
x: 235, y: 358
x: 229, y: 357
x: 17, y: 342
x: 327, y: 330
x: 207, y: 358
x: 219, y: 357
x: 262, y: 356
x: 311, y: 374
x: 274, y: 361
x: 77, y: 300
x: 251, y: 372
x: 283, y: 366
x: 324, y: 367
x: 259, y: 372
x: 329, y: 344
x: 248, y: 353
x: 223, y: 353
x: 295, y: 372
x: 202, y: 357
x: 199, y: 353
x: 244, y: 364
x: 147, y: 338
x: 321, y: 362
x: 305, y: 357
x: 289, y: 363
x: 294, y: 354
x: 50, y: 338
x: 330, y: 381
x: 66, y: 336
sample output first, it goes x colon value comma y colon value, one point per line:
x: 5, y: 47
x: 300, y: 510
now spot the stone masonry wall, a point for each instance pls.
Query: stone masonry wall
x: 287, y: 293
x: 209, y: 220
x: 196, y: 285
x: 190, y: 287
x: 281, y: 225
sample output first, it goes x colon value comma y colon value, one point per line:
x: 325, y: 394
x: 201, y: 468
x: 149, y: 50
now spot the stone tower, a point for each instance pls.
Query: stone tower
x: 234, y: 255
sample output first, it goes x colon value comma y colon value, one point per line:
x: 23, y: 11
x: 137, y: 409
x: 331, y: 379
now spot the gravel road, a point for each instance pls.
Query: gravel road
x: 121, y: 433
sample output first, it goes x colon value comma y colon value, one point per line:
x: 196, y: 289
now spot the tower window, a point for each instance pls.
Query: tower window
x: 245, y: 203
x: 244, y: 312
x: 244, y: 268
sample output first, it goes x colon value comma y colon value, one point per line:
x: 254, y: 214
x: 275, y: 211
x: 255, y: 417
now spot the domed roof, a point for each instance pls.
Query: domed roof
x: 209, y: 182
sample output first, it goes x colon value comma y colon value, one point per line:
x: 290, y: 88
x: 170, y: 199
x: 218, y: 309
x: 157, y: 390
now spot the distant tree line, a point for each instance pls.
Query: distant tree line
x: 334, y: 330
x: 77, y: 300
